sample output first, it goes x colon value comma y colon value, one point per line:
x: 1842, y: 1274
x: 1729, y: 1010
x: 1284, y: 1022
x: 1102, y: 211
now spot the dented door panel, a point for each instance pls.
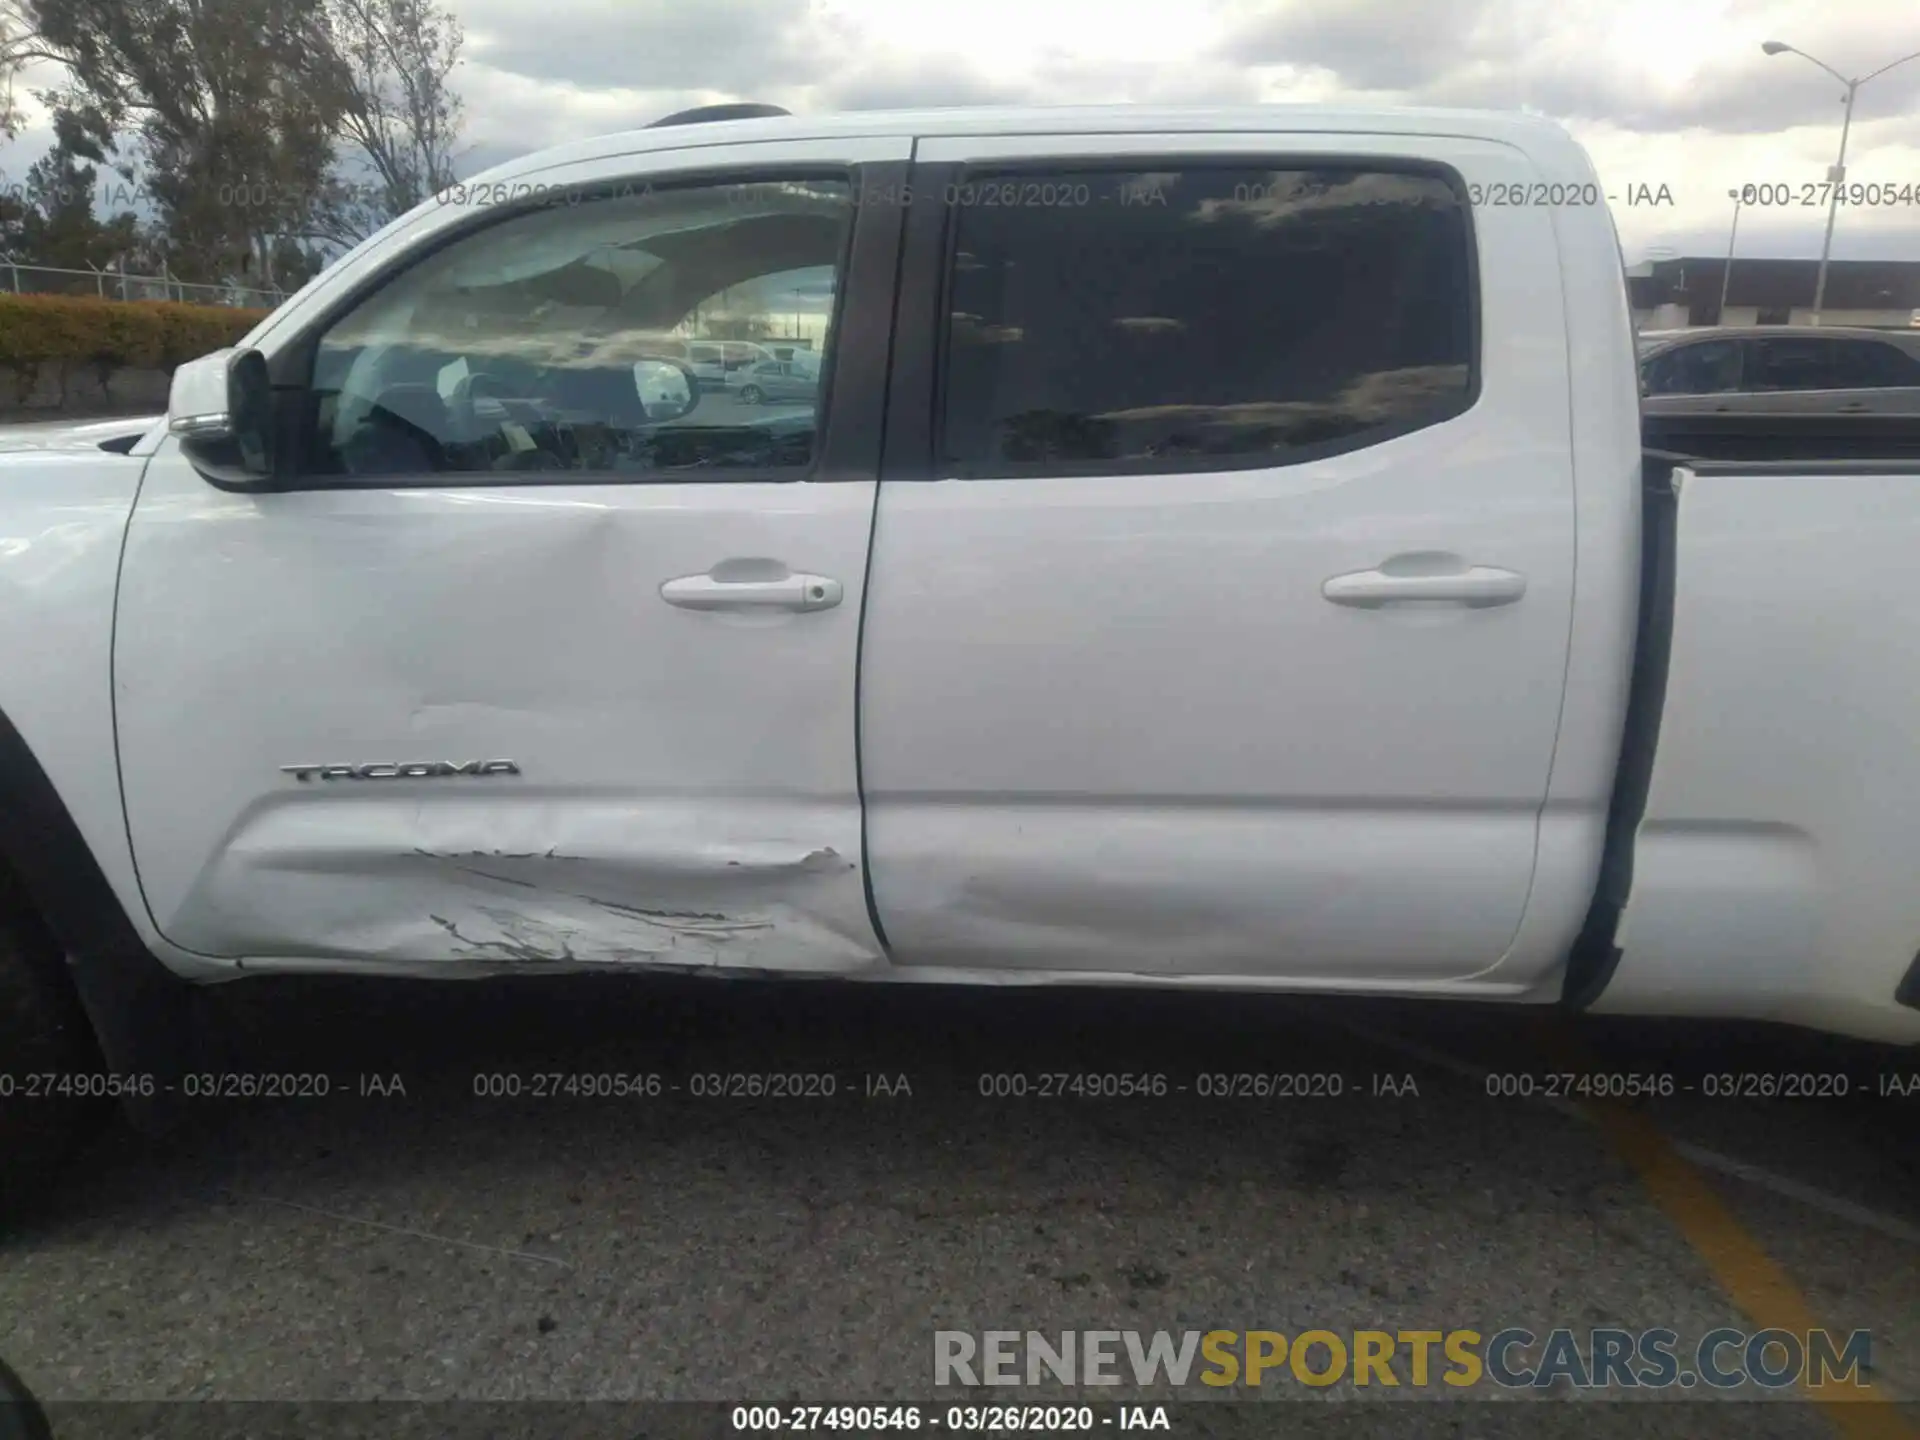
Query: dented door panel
x: 447, y: 716
x: 683, y: 787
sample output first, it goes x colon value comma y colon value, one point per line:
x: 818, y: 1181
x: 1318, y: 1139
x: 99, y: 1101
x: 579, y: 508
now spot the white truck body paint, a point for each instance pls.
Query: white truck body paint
x: 1774, y: 871
x: 670, y: 759
x: 1157, y: 747
x: 64, y: 504
x: 1183, y: 790
x: 81, y: 435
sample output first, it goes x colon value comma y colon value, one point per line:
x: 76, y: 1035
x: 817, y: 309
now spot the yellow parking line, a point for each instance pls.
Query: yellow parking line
x: 1751, y: 1277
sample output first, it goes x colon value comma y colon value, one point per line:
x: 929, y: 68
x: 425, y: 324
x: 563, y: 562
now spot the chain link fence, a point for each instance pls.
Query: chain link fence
x: 116, y: 285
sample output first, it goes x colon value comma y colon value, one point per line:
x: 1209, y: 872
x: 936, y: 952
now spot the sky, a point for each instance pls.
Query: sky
x: 1662, y: 93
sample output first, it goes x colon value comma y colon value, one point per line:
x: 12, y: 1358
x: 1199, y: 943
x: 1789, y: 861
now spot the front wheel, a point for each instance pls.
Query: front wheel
x: 45, y: 1045
x: 751, y: 394
x: 21, y: 1417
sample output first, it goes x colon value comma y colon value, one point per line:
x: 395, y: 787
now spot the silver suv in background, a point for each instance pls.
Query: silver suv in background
x: 778, y: 380
x: 1780, y: 369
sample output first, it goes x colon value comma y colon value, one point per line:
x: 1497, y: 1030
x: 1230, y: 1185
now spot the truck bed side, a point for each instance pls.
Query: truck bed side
x: 1774, y: 848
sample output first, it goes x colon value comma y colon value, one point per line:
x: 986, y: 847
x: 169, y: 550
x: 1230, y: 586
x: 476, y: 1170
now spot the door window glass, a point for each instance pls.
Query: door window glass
x: 1874, y: 365
x: 1202, y: 317
x: 595, y: 336
x: 1711, y: 367
x: 1790, y: 363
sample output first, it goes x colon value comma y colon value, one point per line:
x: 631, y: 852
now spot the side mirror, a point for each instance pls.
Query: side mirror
x: 668, y: 389
x: 220, y: 408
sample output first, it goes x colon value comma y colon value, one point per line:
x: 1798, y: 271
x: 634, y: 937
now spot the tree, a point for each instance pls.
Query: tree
x: 230, y: 106
x: 397, y: 113
x: 57, y: 225
x: 17, y: 47
x: 259, y: 132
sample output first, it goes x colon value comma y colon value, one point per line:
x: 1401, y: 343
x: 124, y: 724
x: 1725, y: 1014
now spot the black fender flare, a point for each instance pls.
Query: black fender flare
x: 142, y: 1014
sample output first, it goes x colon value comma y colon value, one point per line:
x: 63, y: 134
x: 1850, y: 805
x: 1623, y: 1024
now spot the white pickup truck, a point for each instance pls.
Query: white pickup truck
x: 1220, y: 552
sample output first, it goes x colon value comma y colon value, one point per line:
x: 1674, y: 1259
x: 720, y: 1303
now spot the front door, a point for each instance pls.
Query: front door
x: 520, y: 666
x: 1218, y: 620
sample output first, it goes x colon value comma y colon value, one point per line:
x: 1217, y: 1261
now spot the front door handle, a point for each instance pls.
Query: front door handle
x: 1475, y: 585
x: 789, y: 592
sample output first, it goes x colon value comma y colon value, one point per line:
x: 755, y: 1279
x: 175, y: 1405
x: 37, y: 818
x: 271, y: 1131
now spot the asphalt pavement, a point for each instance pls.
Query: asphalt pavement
x: 576, y: 1189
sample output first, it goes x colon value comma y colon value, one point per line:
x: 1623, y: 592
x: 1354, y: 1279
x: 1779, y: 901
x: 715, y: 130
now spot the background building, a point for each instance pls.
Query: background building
x: 1670, y: 294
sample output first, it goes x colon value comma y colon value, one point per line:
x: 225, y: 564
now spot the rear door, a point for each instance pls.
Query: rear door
x: 1878, y: 377
x: 1219, y: 605
x: 512, y: 668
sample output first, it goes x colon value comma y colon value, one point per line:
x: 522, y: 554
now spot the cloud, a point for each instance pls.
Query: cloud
x: 1648, y: 65
x: 1660, y: 91
x: 735, y: 46
x: 914, y: 83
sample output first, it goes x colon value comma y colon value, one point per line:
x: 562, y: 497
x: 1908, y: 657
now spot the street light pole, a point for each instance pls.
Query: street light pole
x: 1726, y: 275
x: 1838, y: 175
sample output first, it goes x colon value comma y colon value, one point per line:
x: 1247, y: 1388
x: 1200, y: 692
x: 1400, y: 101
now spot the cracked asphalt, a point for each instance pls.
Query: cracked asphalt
x: 417, y: 1235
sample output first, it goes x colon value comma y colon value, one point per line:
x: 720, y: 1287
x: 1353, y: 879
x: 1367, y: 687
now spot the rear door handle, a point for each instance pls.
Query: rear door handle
x: 790, y: 592
x: 1477, y: 586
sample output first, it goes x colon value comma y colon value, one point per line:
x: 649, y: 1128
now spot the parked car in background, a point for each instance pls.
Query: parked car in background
x: 719, y: 364
x: 805, y: 361
x: 776, y: 380
x: 1781, y: 370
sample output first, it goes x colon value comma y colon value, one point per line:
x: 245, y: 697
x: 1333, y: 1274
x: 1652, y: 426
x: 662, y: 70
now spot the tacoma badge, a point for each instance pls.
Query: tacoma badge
x: 392, y: 770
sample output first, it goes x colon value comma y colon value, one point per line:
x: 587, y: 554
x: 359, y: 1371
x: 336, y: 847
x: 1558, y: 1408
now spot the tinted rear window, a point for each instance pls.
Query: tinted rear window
x: 1203, y: 317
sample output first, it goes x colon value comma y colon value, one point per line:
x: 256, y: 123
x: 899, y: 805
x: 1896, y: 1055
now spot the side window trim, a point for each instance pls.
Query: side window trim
x: 1740, y: 371
x: 944, y: 181
x: 847, y: 443
x: 912, y: 388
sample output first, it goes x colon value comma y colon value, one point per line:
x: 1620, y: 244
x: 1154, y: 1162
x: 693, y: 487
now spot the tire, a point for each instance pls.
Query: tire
x: 43, y: 1033
x: 21, y: 1417
x: 751, y: 395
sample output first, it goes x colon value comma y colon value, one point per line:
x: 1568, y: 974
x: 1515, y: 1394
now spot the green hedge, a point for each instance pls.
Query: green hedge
x: 65, y: 334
